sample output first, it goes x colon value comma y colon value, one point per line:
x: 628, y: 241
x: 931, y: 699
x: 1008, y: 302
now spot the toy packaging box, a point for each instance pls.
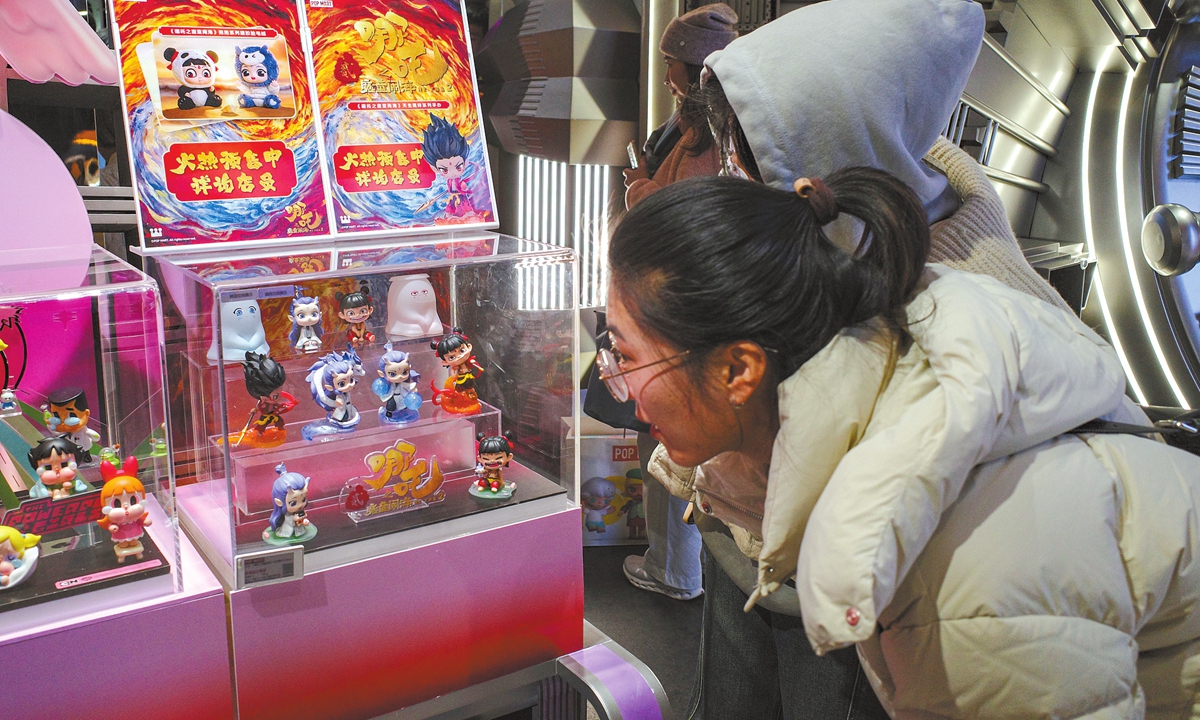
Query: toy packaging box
x: 610, y: 490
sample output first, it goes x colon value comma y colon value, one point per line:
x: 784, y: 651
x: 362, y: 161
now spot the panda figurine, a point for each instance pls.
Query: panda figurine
x: 196, y: 71
x: 258, y: 77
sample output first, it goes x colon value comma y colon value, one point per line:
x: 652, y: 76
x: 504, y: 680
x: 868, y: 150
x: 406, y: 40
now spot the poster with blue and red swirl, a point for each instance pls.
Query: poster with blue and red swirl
x: 399, y: 114
x: 221, y: 123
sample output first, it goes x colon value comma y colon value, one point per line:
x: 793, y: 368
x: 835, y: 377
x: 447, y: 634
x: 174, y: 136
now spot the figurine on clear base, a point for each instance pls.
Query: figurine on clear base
x: 289, y: 524
x: 18, y: 556
x: 67, y: 413
x: 459, y: 395
x: 331, y: 379
x: 265, y: 428
x: 396, y: 387
x: 123, y: 504
x: 493, y: 454
x: 305, y: 315
x: 55, y: 469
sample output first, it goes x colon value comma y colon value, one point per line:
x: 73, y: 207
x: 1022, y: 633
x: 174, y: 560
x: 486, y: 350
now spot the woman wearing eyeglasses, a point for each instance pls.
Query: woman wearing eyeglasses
x: 898, y: 437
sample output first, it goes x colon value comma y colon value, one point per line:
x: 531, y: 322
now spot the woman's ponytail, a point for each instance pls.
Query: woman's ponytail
x: 709, y: 261
x: 895, y: 242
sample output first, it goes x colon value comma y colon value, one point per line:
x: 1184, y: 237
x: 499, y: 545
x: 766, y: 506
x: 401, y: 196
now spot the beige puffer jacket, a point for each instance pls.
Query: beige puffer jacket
x: 986, y: 565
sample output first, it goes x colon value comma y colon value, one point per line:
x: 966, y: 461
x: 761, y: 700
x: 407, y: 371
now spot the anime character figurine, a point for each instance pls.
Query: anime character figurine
x: 412, y: 308
x: 18, y: 556
x: 264, y: 379
x: 492, y: 454
x: 355, y: 309
x: 305, y: 315
x: 330, y: 380
x: 289, y: 523
x: 459, y: 395
x: 396, y: 386
x: 596, y: 496
x: 8, y: 403
x: 258, y: 77
x: 241, y: 331
x: 54, y: 464
x: 634, y: 510
x: 446, y: 151
x: 67, y: 413
x: 123, y: 504
x: 196, y: 71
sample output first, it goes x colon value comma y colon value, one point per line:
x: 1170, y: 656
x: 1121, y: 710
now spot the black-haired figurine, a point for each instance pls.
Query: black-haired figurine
x: 264, y: 381
x: 446, y: 151
x: 55, y: 469
x: 492, y: 454
x: 67, y: 414
x: 459, y: 395
x: 355, y: 309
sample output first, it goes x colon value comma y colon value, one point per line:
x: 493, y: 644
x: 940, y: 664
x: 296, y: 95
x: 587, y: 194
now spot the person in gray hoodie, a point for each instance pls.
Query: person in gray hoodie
x: 832, y: 85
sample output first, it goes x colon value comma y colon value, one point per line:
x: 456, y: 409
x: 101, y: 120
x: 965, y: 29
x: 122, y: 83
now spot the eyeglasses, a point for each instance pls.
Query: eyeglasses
x: 611, y: 365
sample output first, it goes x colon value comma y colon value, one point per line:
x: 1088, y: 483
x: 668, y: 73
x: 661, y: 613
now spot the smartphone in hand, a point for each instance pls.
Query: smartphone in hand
x: 633, y: 156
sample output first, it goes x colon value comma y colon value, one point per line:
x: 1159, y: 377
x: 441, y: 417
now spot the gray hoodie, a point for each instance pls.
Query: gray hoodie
x: 852, y: 82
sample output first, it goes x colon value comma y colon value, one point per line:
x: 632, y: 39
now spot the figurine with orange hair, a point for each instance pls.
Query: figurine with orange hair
x: 123, y: 504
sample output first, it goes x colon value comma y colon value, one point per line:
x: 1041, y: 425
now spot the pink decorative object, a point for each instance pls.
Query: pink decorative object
x: 45, y: 39
x: 46, y: 241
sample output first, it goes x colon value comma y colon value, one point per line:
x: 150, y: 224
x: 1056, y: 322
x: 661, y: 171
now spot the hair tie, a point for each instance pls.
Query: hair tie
x: 820, y: 198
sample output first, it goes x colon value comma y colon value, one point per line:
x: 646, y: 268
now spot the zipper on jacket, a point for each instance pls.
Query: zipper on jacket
x: 736, y: 506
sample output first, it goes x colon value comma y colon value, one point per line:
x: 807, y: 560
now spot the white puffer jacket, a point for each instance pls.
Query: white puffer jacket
x: 933, y: 513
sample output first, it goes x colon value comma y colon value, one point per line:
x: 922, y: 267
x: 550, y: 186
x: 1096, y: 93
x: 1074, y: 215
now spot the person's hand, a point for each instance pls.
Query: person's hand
x: 634, y: 174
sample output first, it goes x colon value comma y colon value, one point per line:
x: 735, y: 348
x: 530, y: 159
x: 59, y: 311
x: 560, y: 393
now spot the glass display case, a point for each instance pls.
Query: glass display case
x: 330, y: 397
x: 84, y: 467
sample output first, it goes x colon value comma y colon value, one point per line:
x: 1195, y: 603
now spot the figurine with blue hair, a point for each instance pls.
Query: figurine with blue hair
x: 289, y: 523
x: 331, y: 379
x: 446, y: 151
x: 305, y: 315
x: 396, y: 386
x: 258, y: 77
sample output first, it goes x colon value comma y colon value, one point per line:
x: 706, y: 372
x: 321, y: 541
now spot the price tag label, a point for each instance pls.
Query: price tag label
x: 270, y: 566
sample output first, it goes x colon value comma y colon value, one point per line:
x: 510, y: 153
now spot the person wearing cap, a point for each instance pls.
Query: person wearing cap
x: 683, y: 146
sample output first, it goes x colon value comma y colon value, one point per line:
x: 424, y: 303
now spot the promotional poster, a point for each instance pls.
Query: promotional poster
x: 221, y: 121
x: 400, y: 115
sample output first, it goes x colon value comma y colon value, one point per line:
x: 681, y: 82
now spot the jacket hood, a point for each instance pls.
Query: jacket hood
x: 852, y: 82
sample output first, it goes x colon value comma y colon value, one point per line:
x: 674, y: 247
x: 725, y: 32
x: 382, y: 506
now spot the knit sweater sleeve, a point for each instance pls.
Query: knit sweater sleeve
x: 978, y: 238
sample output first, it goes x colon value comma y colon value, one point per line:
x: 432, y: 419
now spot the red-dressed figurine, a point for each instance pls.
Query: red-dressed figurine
x: 493, y: 454
x: 355, y: 309
x: 264, y: 381
x: 459, y: 395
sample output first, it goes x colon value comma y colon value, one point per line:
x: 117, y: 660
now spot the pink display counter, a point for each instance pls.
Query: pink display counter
x: 146, y: 648
x: 373, y: 636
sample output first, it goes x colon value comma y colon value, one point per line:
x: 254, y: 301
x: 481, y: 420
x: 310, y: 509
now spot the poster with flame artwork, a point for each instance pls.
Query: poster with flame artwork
x: 221, y: 121
x: 400, y: 115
